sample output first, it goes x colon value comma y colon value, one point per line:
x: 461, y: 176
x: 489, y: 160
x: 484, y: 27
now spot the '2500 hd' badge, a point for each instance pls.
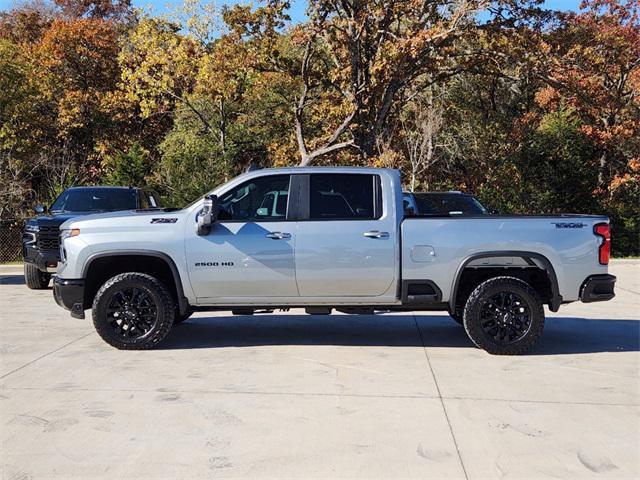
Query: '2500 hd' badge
x: 214, y: 264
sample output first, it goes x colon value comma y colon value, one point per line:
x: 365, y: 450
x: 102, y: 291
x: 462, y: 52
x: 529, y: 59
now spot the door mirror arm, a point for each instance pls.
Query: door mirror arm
x: 207, y: 217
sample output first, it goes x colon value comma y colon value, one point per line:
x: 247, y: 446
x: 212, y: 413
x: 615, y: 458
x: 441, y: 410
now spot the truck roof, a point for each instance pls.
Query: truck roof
x: 324, y: 169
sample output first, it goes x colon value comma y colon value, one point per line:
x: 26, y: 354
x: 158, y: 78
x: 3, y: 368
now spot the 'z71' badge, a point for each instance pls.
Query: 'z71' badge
x: 164, y: 220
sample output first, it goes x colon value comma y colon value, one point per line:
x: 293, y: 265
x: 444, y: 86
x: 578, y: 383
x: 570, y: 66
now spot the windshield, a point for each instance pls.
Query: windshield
x: 95, y: 200
x: 448, y: 204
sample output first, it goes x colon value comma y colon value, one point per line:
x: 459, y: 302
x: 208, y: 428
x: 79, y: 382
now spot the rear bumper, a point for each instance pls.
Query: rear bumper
x: 598, y: 288
x: 69, y: 294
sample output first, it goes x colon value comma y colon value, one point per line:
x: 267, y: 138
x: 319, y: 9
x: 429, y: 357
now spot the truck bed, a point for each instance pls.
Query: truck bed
x: 436, y: 247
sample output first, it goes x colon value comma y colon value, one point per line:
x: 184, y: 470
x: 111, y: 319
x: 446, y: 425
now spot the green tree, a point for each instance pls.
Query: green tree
x: 129, y: 168
x: 192, y: 161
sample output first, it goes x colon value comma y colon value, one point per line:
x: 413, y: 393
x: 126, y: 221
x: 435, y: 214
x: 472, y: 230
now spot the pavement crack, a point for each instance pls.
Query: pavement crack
x: 444, y: 408
x: 627, y: 290
x: 44, y: 355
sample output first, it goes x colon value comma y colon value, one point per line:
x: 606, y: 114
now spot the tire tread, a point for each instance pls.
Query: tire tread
x: 33, y: 277
x: 474, y: 331
x: 167, y: 306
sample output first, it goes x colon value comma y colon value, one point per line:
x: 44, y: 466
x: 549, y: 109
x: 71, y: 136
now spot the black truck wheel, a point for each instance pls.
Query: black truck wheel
x: 34, y: 278
x: 504, y: 316
x: 133, y: 311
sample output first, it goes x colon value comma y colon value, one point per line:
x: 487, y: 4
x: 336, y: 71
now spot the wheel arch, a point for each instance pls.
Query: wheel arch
x: 555, y: 298
x: 136, y: 264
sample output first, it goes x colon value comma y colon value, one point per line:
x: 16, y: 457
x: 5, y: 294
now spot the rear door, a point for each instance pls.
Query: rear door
x: 346, y: 238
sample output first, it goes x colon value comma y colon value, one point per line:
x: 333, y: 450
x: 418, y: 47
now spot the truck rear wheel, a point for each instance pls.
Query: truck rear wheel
x: 504, y: 316
x: 34, y: 278
x: 133, y: 311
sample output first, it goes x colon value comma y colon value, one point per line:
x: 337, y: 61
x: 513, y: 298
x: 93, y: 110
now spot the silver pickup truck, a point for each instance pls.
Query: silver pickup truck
x: 327, y: 239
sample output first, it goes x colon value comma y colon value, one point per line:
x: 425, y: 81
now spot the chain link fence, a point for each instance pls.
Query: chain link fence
x: 11, y: 240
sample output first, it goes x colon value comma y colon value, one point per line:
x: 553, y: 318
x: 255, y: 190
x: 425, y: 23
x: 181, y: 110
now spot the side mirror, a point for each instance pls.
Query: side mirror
x: 208, y: 215
x: 494, y: 211
x: 40, y: 209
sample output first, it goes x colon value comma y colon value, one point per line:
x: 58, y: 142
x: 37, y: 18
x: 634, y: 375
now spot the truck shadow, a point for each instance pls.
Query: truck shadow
x: 11, y: 279
x: 562, y: 335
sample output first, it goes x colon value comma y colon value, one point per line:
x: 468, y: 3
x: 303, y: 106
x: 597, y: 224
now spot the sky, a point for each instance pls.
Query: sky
x: 297, y: 6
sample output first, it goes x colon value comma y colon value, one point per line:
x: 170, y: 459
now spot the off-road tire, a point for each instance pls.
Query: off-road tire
x: 34, y: 278
x: 163, y: 302
x: 483, y: 293
x: 179, y: 318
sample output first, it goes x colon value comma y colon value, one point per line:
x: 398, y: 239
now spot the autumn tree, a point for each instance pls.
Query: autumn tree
x: 26, y: 23
x: 593, y: 65
x: 77, y: 60
x: 102, y: 9
x: 377, y: 50
x: 421, y: 125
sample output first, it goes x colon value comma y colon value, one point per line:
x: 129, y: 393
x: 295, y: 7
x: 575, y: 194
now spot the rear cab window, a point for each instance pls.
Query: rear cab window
x: 344, y: 197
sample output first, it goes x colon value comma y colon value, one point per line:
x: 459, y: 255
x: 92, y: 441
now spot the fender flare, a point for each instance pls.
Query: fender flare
x: 183, y: 302
x: 556, y: 298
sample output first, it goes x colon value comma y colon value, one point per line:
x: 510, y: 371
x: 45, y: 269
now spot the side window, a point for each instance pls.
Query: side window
x: 260, y: 199
x: 343, y: 197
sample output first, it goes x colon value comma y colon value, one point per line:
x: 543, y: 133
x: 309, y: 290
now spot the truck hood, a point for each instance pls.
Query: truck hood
x: 125, y: 218
x: 54, y: 220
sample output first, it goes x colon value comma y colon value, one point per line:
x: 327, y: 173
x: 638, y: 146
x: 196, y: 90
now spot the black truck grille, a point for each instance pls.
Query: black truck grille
x: 48, y: 238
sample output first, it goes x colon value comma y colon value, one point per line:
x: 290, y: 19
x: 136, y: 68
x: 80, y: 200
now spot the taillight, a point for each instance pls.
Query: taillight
x: 604, y: 251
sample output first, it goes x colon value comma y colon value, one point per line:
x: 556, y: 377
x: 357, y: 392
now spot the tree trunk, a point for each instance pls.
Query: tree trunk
x: 602, y: 169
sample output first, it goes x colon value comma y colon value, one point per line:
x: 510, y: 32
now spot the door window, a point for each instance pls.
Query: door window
x: 343, y: 197
x: 259, y: 199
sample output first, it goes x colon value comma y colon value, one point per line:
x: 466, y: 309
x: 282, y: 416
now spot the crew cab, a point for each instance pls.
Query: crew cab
x: 325, y: 239
x: 41, y: 237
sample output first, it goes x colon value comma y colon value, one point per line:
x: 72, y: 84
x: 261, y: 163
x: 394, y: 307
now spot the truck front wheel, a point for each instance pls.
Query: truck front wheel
x: 34, y: 278
x: 133, y: 311
x: 504, y: 316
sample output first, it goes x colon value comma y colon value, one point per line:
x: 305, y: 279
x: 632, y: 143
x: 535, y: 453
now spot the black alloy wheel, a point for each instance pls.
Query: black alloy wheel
x: 133, y: 311
x: 504, y: 316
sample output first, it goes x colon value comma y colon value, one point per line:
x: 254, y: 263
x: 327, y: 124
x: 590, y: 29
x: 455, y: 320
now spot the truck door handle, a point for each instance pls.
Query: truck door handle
x: 376, y: 234
x: 278, y: 235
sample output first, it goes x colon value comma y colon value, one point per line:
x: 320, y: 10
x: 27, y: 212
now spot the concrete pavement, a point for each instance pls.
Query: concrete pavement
x: 295, y: 396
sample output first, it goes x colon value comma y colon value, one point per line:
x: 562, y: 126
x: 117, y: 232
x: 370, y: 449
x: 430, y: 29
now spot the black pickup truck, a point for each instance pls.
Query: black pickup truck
x: 41, y: 241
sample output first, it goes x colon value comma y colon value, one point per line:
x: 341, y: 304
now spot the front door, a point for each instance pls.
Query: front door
x: 249, y: 252
x: 347, y: 245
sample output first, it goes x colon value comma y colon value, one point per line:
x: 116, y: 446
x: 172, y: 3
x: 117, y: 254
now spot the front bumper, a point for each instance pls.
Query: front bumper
x: 598, y: 288
x: 45, y: 260
x: 69, y: 294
